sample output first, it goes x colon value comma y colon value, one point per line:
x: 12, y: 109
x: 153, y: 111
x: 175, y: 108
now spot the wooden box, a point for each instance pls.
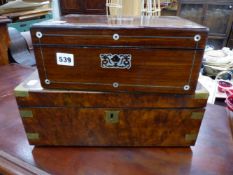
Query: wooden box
x: 141, y: 54
x: 82, y: 118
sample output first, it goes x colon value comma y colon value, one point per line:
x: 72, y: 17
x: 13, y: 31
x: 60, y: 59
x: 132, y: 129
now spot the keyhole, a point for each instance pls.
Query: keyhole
x: 112, y: 116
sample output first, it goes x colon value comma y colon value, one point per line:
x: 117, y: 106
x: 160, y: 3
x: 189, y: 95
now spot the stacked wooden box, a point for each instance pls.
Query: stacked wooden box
x: 114, y: 82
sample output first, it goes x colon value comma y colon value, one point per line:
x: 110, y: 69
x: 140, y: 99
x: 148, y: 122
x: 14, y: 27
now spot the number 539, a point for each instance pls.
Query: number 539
x: 65, y: 59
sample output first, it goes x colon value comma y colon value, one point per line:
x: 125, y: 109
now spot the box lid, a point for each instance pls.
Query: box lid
x: 30, y: 94
x: 100, y: 30
x: 102, y: 21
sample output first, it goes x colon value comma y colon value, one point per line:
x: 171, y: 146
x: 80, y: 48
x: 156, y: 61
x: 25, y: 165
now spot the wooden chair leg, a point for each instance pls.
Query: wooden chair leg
x: 4, y: 41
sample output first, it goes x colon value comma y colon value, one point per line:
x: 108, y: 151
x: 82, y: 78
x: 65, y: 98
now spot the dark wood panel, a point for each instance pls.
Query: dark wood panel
x: 159, y: 72
x: 82, y: 7
x: 215, y: 14
x: 95, y: 7
x: 89, y: 127
x: 218, y: 18
x: 72, y: 5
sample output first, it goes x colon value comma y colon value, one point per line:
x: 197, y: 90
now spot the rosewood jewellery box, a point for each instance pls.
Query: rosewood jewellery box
x: 131, y: 54
x: 114, y: 82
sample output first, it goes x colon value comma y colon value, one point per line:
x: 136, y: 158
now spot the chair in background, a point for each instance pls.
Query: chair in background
x: 133, y: 7
x: 114, y: 7
x: 150, y: 8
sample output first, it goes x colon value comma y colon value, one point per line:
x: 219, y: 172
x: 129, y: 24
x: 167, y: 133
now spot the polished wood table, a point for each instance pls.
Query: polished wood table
x: 212, y: 154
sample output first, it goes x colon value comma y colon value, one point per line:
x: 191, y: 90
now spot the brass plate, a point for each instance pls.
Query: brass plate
x: 197, y: 115
x: 191, y: 137
x: 33, y: 136
x: 201, y: 95
x: 21, y: 91
x: 26, y: 114
x: 201, y: 92
x: 112, y: 116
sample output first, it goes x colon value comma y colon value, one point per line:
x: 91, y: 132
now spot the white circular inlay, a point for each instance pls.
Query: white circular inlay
x: 186, y: 87
x: 39, y: 34
x: 116, y: 36
x: 47, y: 81
x: 115, y: 85
x: 197, y: 38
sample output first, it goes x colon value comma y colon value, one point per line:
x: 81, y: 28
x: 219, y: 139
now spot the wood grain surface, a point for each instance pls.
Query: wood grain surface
x: 76, y: 118
x: 164, y: 55
x: 88, y: 127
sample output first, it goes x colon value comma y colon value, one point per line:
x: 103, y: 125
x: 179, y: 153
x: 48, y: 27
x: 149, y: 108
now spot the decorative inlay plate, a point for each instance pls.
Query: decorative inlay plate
x: 116, y: 61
